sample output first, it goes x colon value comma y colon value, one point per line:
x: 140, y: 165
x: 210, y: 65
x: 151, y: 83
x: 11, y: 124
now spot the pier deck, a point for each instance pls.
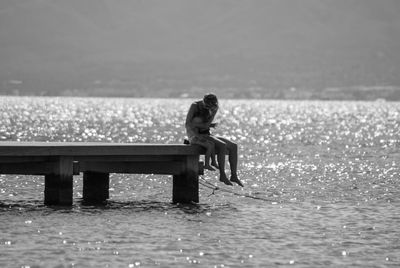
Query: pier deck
x: 59, y: 161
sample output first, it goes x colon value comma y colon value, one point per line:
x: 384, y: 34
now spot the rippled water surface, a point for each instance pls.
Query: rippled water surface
x: 326, y: 175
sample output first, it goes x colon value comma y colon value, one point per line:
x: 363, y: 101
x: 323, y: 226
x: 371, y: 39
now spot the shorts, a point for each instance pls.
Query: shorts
x: 197, y: 140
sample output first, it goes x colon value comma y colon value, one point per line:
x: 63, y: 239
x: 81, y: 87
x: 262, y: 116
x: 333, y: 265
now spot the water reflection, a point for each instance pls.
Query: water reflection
x: 328, y: 150
x: 328, y: 172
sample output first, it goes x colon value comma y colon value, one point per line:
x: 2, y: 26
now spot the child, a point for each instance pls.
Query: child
x: 201, y: 139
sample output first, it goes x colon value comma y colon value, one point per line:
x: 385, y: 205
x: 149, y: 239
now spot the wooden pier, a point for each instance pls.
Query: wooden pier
x: 59, y: 161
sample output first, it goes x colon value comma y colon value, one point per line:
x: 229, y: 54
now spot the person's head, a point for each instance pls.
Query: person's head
x: 210, y: 101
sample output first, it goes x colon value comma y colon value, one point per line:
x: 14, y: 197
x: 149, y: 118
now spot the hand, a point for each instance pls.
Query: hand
x: 213, y: 125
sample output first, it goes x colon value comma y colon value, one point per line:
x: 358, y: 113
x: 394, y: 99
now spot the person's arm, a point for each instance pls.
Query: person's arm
x: 189, y: 122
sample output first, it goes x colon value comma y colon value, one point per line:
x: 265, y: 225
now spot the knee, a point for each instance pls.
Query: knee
x: 221, y: 147
x: 208, y: 146
x: 233, y: 147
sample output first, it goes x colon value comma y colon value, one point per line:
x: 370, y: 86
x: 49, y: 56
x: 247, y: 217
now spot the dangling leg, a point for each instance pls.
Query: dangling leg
x: 233, y: 159
x: 208, y: 145
x: 207, y: 157
x: 221, y: 148
x: 213, y: 160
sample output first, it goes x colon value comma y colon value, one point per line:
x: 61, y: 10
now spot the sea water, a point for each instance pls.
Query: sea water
x: 324, y: 177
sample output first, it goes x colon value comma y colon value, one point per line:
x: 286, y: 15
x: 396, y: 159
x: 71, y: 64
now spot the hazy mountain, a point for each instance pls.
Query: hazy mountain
x: 149, y: 45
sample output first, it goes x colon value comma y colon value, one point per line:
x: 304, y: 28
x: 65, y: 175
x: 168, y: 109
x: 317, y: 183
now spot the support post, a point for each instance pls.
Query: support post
x: 185, y: 187
x: 59, y: 182
x: 95, y: 187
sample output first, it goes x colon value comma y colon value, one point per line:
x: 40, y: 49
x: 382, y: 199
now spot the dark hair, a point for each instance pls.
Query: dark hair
x: 210, y: 99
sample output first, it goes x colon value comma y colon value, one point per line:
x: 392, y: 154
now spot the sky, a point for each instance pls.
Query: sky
x: 164, y: 48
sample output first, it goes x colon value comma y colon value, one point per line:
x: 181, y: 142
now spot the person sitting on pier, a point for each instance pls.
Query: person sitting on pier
x: 206, y: 109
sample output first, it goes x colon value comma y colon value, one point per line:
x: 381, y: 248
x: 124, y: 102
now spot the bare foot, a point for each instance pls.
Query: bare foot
x: 214, y: 164
x: 209, y: 167
x: 224, y: 179
x: 235, y: 179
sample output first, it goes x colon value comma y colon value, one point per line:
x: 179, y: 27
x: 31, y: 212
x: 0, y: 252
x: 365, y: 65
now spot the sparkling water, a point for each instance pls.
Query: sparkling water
x: 322, y: 188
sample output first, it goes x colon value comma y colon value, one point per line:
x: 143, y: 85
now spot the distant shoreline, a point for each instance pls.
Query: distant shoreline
x: 354, y: 93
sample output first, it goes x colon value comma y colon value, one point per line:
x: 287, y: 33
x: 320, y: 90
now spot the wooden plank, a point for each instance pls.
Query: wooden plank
x: 168, y: 168
x: 129, y: 158
x: 33, y: 168
x: 24, y: 159
x: 87, y: 148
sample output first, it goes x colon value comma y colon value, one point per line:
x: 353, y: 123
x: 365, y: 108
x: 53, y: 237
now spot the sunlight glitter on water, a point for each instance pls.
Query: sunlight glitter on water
x: 320, y: 165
